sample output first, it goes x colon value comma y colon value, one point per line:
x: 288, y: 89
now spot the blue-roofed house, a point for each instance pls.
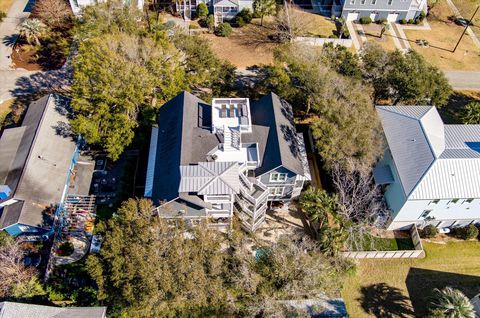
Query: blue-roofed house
x: 430, y: 171
x: 207, y: 161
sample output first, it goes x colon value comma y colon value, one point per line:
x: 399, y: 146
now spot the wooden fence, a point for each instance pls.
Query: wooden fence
x: 417, y: 252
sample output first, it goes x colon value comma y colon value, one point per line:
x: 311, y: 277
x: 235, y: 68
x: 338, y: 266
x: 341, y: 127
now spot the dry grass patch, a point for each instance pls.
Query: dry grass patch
x: 442, y: 39
x: 315, y: 24
x: 247, y: 46
x: 467, y: 8
x: 372, y: 32
x: 399, y: 288
x: 5, y: 5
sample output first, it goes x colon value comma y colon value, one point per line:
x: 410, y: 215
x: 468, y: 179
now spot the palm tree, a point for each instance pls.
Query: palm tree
x: 31, y: 30
x: 452, y: 303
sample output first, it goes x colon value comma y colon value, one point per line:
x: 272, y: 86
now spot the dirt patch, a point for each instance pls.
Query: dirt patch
x: 5, y: 109
x: 247, y: 46
x: 442, y: 39
x: 25, y: 56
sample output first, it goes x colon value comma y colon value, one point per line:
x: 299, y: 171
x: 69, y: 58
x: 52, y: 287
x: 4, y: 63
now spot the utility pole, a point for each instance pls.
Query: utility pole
x: 465, y: 30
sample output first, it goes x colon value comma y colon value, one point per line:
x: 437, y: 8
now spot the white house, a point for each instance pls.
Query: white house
x: 431, y: 170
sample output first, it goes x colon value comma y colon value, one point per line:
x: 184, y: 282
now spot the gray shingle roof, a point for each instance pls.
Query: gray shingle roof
x: 16, y: 310
x: 280, y: 148
x: 37, y: 166
x: 185, y: 138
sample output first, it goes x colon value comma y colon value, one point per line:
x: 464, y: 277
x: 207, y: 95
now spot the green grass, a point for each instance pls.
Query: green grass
x: 400, y: 288
x: 386, y: 244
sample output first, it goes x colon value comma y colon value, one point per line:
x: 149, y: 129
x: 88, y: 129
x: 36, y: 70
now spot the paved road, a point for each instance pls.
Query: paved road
x: 465, y: 80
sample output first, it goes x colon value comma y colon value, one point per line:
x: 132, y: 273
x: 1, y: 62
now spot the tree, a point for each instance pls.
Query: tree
x: 452, y: 303
x: 341, y: 60
x: 31, y: 30
x: 146, y: 268
x: 115, y: 76
x: 339, y: 109
x: 54, y: 13
x: 399, y: 78
x: 264, y: 8
x: 289, y: 24
x: 224, y: 29
x: 471, y: 113
x: 385, y: 27
x: 18, y: 280
x: 202, y: 10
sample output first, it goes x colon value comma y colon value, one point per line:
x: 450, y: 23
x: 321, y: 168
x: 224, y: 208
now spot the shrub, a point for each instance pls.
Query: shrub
x: 193, y: 27
x: 417, y: 21
x: 403, y: 21
x: 333, y: 36
x: 466, y: 232
x: 224, y: 29
x: 240, y: 22
x: 411, y: 21
x: 365, y: 20
x: 246, y: 14
x: 3, y: 15
x: 210, y: 23
x: 202, y: 10
x: 382, y: 21
x: 421, y: 16
x: 428, y: 231
x: 65, y: 249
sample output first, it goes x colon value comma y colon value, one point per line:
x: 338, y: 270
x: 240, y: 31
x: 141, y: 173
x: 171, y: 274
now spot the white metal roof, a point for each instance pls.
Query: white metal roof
x: 434, y: 161
x: 210, y: 178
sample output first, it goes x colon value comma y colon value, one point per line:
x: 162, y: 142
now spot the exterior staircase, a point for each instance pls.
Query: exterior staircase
x: 231, y: 139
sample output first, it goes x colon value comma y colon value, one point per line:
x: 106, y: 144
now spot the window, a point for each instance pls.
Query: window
x: 453, y: 201
x: 434, y: 201
x: 374, y: 2
x: 276, y: 191
x: 23, y: 228
x: 390, y: 2
x: 352, y: 1
x: 278, y: 177
x: 469, y: 200
x: 425, y: 214
x: 362, y: 1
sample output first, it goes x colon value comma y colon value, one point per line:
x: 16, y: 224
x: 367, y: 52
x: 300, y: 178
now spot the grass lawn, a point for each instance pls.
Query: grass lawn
x: 387, y: 244
x: 442, y: 39
x: 467, y: 8
x: 316, y: 25
x: 372, y: 32
x: 399, y: 288
x: 5, y: 5
x: 246, y: 46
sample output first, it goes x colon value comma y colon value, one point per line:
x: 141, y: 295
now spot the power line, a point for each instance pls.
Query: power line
x: 465, y: 30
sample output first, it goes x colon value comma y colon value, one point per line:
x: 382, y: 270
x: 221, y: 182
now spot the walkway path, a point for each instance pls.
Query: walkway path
x: 357, y: 34
x: 469, y: 29
x: 463, y: 80
x: 399, y: 37
x: 9, y: 31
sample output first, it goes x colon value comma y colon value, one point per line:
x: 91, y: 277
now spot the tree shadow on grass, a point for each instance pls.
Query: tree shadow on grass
x: 421, y: 282
x: 381, y: 300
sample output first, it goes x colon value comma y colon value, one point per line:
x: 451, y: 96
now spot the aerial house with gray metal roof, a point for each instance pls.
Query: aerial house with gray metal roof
x: 207, y: 161
x: 37, y: 160
x: 431, y: 171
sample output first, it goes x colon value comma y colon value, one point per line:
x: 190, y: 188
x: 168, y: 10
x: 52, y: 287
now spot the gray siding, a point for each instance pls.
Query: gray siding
x: 380, y: 5
x: 287, y: 184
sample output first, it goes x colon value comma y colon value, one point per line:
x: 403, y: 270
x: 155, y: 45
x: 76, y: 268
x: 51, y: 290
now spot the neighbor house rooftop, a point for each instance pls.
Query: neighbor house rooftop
x: 433, y: 160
